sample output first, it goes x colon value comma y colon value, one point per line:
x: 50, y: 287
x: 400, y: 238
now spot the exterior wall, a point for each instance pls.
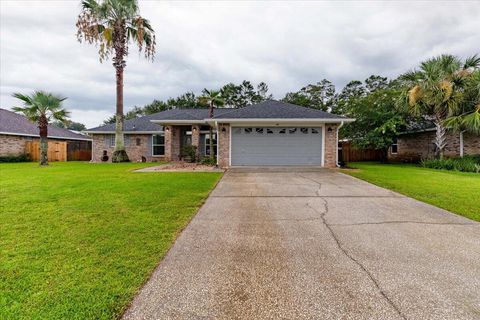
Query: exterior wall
x: 417, y: 146
x: 135, y: 153
x: 223, y: 145
x: 13, y: 145
x: 331, y: 146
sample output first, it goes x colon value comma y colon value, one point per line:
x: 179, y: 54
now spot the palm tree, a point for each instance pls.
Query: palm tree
x: 113, y: 24
x: 212, y: 99
x: 42, y: 107
x: 435, y: 91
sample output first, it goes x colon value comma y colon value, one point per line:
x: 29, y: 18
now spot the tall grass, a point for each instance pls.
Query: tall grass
x: 465, y: 164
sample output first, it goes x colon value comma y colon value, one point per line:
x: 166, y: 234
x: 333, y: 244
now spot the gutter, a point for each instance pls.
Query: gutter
x: 338, y: 128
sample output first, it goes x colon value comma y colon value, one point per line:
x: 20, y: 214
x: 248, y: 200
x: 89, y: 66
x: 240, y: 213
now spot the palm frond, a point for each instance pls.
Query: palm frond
x: 472, y: 62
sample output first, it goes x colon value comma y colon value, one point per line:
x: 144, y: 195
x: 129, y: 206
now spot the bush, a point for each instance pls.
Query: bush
x: 465, y: 164
x: 13, y: 158
x: 209, y: 161
x: 189, y: 153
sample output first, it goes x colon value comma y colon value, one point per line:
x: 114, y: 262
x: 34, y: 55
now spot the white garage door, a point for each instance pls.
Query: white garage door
x: 262, y: 146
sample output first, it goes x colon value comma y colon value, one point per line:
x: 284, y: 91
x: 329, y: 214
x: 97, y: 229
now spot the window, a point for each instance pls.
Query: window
x: 394, y: 146
x: 314, y: 130
x: 207, y: 144
x: 158, y: 145
x: 292, y: 130
x: 111, y: 140
x: 304, y: 130
x: 269, y: 131
x: 282, y: 131
x: 138, y: 141
x: 247, y: 130
x: 259, y: 130
x: 126, y: 141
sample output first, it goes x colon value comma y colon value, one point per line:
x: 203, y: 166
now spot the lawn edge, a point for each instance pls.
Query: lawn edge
x: 177, y: 234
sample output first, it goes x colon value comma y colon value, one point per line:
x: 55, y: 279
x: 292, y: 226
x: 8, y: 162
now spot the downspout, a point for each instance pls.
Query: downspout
x: 338, y: 128
x: 461, y: 144
x: 218, y: 139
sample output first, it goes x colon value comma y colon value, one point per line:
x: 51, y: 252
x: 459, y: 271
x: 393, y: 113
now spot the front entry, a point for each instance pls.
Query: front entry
x: 276, y: 146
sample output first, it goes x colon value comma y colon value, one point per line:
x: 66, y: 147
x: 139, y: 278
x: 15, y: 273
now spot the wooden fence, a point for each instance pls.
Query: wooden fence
x: 57, y: 150
x: 61, y: 150
x: 348, y: 153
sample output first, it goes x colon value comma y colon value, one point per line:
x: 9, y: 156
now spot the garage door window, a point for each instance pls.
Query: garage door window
x: 315, y: 131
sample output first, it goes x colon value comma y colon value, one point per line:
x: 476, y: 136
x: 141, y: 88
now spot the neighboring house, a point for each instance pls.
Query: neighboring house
x: 417, y: 143
x: 268, y: 133
x: 16, y: 130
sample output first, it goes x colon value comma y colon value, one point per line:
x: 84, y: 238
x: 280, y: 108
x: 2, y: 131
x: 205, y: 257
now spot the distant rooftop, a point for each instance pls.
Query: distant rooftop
x: 16, y: 124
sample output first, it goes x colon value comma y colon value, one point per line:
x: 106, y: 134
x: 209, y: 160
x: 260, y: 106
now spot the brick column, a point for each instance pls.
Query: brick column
x: 223, y: 135
x: 196, y: 138
x: 331, y: 147
x: 168, y: 142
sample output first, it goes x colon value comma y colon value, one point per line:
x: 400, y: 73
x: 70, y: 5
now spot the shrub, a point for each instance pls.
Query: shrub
x: 189, y: 153
x: 14, y: 158
x: 465, y: 164
x: 209, y: 161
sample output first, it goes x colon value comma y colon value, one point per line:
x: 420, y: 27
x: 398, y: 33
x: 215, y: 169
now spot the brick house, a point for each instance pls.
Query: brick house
x: 265, y: 134
x: 16, y: 130
x: 418, y: 143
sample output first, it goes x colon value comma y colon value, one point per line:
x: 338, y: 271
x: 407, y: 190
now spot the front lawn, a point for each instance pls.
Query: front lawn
x: 77, y: 240
x: 454, y: 191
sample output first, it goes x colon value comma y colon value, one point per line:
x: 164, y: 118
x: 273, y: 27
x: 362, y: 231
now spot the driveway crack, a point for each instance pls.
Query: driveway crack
x: 404, y: 222
x: 353, y: 259
x: 313, y: 180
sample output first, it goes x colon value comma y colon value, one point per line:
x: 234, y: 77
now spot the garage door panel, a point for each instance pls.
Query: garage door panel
x: 276, y: 146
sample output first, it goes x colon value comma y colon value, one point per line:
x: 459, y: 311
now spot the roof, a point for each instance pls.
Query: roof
x: 267, y: 110
x: 272, y: 109
x: 12, y: 123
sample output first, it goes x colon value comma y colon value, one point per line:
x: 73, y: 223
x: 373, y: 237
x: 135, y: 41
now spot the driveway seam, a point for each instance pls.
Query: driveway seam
x: 358, y: 263
x: 402, y: 222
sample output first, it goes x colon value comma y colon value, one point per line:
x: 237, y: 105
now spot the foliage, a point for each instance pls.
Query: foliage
x: 190, y: 152
x: 78, y: 240
x: 372, y: 105
x: 209, y: 161
x: 42, y: 107
x: 465, y: 164
x: 436, y: 91
x: 244, y: 94
x: 70, y: 125
x: 317, y: 96
x: 15, y: 158
x: 112, y: 24
x: 450, y: 190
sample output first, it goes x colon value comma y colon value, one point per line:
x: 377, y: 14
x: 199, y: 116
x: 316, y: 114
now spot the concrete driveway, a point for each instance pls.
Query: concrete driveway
x: 293, y: 243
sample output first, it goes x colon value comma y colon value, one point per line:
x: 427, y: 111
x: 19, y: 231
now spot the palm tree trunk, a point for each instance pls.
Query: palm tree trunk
x: 212, y: 153
x: 43, y: 127
x: 440, y: 138
x: 119, y: 153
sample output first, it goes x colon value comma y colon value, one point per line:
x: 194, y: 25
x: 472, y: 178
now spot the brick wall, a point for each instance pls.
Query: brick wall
x: 12, y: 145
x: 330, y: 146
x: 135, y: 152
x: 416, y: 146
x: 223, y: 145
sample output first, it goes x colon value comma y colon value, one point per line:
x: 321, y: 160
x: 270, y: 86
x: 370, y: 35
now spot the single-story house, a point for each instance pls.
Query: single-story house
x: 417, y: 143
x: 265, y: 134
x: 16, y: 130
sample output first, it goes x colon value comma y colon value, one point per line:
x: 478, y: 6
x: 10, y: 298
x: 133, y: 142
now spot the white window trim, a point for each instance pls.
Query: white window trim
x: 391, y: 147
x: 158, y: 145
x: 214, y: 145
x: 111, y: 140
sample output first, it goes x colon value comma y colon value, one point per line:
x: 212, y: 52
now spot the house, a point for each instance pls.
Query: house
x: 16, y: 130
x: 417, y: 143
x: 265, y: 134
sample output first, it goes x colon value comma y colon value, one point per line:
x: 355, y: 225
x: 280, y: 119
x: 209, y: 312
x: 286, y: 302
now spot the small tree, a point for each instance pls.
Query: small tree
x: 113, y: 24
x: 42, y: 107
x: 435, y: 91
x: 212, y: 99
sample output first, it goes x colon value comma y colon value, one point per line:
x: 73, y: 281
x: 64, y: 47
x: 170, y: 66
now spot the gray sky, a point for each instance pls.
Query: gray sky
x: 208, y: 44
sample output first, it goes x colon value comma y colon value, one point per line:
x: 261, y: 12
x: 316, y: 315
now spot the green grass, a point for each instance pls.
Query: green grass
x: 77, y: 240
x: 454, y: 191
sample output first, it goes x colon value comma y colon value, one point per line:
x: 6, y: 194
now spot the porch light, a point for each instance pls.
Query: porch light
x: 223, y: 129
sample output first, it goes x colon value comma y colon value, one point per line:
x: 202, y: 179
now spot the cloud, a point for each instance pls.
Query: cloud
x: 207, y: 44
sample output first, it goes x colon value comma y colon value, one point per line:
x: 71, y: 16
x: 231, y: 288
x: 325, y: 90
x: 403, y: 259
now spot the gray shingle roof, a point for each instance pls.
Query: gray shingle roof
x: 272, y: 109
x: 14, y: 123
